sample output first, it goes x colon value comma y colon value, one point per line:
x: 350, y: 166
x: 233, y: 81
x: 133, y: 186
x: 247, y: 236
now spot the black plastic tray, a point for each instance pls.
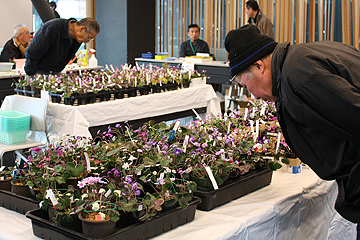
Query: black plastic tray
x: 211, y: 198
x: 141, y: 230
x: 16, y: 202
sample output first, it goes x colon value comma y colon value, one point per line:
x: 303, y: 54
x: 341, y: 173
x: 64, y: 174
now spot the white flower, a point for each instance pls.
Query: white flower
x: 101, y: 190
x: 95, y: 206
x: 117, y: 192
x: 85, y: 195
x: 132, y: 158
x: 126, y: 165
x: 102, y: 215
x: 154, y: 172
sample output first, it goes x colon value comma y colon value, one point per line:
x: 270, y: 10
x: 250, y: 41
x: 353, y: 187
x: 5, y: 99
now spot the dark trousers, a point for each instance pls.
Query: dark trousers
x: 358, y: 232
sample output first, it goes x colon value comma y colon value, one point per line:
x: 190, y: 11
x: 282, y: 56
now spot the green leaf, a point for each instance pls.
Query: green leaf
x: 274, y: 166
x: 75, y: 171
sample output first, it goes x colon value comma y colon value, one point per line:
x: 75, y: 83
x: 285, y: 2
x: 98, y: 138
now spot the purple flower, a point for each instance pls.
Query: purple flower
x: 137, y: 192
x: 161, y: 181
x: 177, y: 151
x: 117, y: 125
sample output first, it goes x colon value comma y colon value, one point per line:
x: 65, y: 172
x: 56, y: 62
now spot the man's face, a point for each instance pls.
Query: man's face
x: 25, y: 36
x: 249, y: 12
x: 84, y: 36
x: 194, y: 34
x: 257, y: 83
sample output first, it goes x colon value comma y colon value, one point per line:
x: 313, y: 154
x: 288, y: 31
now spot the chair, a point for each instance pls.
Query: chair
x: 37, y: 109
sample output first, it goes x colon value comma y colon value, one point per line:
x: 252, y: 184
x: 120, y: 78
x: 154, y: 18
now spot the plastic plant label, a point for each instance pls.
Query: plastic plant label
x: 228, y: 130
x: 88, y: 167
x: 262, y: 111
x: 186, y: 140
x: 140, y: 207
x: 2, y: 178
x: 197, y: 115
x: 50, y: 194
x: 246, y: 113
x: 108, y: 193
x: 161, y: 175
x: 98, y: 217
x: 222, y: 154
x: 2, y: 168
x: 212, y: 178
x: 278, y: 142
x: 138, y: 173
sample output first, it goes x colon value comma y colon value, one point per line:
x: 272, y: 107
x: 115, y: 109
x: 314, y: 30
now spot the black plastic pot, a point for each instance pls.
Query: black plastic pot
x: 22, y: 190
x: 97, y: 229
x: 131, y: 92
x: 5, y: 185
x: 144, y: 90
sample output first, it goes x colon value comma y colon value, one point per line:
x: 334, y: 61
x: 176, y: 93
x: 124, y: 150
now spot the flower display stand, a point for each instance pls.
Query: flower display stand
x: 233, y: 189
x: 17, y: 203
x: 163, y: 222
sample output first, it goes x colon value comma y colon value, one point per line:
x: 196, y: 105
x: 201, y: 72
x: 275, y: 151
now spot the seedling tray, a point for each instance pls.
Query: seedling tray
x: 234, y: 189
x: 166, y: 221
x: 16, y: 202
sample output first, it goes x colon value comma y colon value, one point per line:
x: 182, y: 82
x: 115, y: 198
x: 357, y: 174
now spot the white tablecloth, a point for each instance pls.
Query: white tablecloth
x: 293, y: 206
x: 76, y: 120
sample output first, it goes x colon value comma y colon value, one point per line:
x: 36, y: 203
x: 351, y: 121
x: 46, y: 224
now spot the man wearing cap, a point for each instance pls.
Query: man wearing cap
x: 316, y: 87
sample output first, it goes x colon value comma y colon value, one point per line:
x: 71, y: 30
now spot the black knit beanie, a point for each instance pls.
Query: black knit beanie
x: 245, y: 46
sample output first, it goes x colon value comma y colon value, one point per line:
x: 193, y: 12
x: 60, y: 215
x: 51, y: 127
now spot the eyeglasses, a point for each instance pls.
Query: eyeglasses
x: 89, y: 37
x: 233, y: 81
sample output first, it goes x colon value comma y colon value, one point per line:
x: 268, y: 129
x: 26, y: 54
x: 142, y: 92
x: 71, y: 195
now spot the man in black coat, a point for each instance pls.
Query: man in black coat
x: 56, y: 43
x: 316, y: 87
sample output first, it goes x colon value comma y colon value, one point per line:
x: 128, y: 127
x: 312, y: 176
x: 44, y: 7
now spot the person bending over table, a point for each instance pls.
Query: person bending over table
x: 56, y: 43
x: 194, y: 44
x: 17, y: 45
x: 316, y: 87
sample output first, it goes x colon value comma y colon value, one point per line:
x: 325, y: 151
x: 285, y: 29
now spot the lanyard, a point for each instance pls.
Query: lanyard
x: 192, y: 48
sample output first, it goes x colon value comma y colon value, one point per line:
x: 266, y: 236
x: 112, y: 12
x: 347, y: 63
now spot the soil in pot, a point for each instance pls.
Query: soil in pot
x: 5, y: 185
x: 97, y: 229
x: 18, y: 188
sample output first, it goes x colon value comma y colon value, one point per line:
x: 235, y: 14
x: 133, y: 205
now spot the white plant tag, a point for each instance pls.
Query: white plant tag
x: 278, y: 142
x: 50, y: 194
x: 197, y: 115
x: 246, y: 113
x: 252, y: 126
x: 176, y: 126
x: 186, y: 141
x: 88, y: 167
x: 257, y: 129
x: 262, y: 112
x: 158, y: 148
x: 138, y: 173
x: 161, y: 175
x: 2, y: 168
x: 2, y: 178
x: 108, y: 193
x: 222, y: 154
x: 140, y: 207
x: 228, y: 131
x: 212, y: 178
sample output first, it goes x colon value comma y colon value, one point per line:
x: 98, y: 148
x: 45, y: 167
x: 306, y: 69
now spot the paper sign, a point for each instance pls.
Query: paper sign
x: 188, y: 66
x: 212, y: 178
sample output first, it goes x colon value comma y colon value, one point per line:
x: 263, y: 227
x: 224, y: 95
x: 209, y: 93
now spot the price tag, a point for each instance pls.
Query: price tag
x: 88, y: 167
x: 50, y: 194
x: 212, y: 178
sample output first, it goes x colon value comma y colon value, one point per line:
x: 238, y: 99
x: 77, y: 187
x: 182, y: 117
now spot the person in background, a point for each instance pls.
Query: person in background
x: 259, y: 19
x: 56, y: 43
x: 194, y: 44
x: 17, y: 45
x: 316, y: 87
x: 53, y: 7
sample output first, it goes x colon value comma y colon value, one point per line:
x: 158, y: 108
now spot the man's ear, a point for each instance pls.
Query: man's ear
x: 259, y: 65
x: 82, y: 28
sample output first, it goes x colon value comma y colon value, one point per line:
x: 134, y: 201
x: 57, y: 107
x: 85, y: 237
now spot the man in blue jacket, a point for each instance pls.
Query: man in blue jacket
x: 316, y: 87
x: 56, y: 43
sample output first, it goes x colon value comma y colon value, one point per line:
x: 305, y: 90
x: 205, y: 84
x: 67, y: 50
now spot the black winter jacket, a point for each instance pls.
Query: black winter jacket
x: 51, y: 48
x: 318, y: 90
